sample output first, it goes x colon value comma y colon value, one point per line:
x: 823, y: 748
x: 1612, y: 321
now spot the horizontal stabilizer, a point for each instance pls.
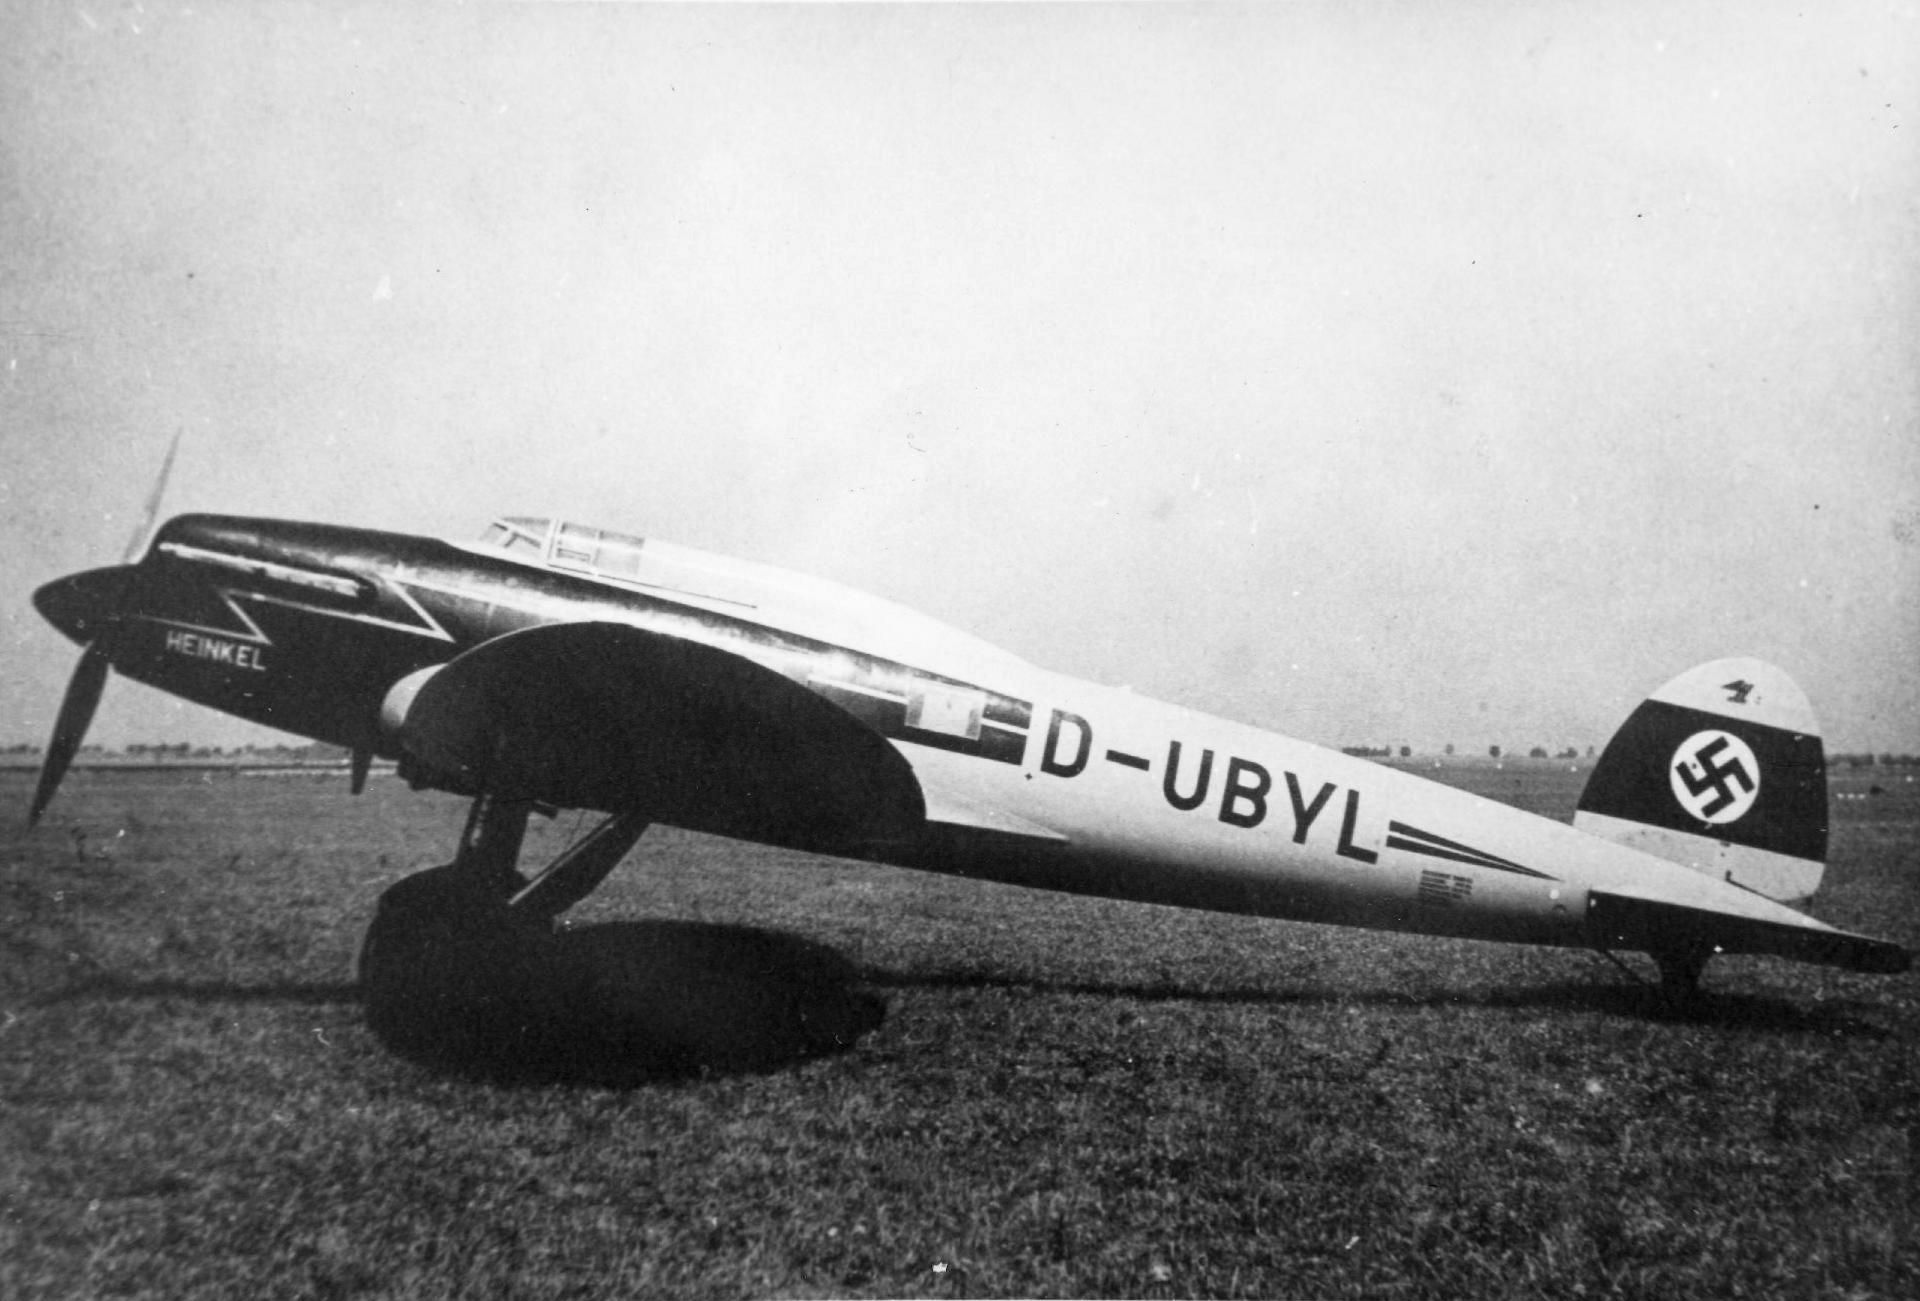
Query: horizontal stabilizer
x: 1621, y: 921
x: 611, y: 717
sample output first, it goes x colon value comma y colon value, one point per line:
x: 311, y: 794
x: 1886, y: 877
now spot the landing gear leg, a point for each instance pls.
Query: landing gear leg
x: 490, y: 846
x: 578, y: 872
x: 1680, y: 970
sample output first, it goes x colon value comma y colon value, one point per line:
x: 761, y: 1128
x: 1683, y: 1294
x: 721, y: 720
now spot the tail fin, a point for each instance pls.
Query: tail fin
x: 1722, y: 771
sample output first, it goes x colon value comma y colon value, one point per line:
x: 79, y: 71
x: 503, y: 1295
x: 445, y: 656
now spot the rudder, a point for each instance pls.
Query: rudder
x: 1721, y: 770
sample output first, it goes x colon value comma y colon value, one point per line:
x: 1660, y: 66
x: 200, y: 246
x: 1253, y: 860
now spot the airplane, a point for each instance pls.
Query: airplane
x: 550, y: 665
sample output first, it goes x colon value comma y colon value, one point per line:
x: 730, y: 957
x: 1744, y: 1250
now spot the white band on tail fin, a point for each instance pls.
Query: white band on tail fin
x: 1722, y: 771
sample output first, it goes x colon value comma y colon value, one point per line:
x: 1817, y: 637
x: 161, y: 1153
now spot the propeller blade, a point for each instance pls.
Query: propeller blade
x: 70, y: 728
x: 88, y: 607
x: 152, y: 512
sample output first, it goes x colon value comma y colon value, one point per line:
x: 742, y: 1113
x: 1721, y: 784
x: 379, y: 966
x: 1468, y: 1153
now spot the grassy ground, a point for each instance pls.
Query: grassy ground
x: 1065, y: 1096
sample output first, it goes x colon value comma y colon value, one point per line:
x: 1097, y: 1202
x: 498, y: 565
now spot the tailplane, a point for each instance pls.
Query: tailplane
x: 1721, y: 771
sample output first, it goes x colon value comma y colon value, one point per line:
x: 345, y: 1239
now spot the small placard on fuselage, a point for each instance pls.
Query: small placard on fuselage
x: 949, y: 711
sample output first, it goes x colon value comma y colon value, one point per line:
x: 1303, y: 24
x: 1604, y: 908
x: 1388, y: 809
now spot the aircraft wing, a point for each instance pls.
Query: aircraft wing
x: 1617, y: 919
x: 607, y: 716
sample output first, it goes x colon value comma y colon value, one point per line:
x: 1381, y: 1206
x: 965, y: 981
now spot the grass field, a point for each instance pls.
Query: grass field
x: 1064, y: 1096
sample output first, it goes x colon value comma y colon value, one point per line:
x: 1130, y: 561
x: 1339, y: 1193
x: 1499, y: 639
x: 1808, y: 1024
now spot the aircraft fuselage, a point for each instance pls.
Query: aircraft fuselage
x: 1033, y: 778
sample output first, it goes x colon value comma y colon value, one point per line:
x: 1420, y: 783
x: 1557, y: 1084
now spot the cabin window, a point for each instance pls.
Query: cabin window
x: 619, y: 557
x: 611, y: 555
x: 525, y: 537
x: 575, y: 546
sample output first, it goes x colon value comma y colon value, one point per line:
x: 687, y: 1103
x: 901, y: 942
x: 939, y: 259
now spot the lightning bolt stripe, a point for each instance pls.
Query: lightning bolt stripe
x: 427, y: 626
x: 252, y: 633
x: 1416, y: 841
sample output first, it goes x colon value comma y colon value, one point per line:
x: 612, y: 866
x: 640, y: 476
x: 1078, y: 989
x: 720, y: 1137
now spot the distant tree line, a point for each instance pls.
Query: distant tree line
x: 1493, y: 752
x: 311, y: 752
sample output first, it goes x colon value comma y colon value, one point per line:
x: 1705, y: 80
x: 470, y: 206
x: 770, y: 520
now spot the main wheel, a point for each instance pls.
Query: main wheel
x: 444, y: 963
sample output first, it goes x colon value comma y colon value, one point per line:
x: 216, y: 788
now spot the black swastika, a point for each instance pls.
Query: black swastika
x: 1719, y: 778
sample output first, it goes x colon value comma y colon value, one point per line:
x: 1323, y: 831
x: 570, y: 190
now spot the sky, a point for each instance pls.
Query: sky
x: 1386, y: 373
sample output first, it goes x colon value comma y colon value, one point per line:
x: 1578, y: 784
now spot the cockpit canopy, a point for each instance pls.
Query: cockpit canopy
x: 567, y: 546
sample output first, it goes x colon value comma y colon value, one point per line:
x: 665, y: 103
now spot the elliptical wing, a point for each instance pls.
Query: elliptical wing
x: 606, y: 716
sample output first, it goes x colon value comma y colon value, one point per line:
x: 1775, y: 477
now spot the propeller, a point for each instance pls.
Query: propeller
x: 70, y: 727
x: 87, y: 607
